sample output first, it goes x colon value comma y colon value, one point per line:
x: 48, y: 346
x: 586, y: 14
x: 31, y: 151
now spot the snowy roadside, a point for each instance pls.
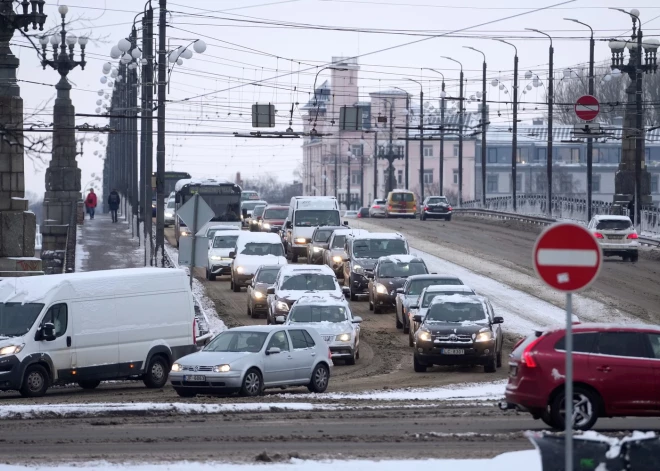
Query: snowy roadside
x: 529, y: 460
x: 81, y: 253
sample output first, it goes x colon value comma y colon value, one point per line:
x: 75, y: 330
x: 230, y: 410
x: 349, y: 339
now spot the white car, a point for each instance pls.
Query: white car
x: 332, y: 319
x: 254, y: 249
x: 378, y: 208
x: 219, y: 259
x: 170, y: 212
x: 351, y: 214
x: 209, y: 230
x: 616, y: 236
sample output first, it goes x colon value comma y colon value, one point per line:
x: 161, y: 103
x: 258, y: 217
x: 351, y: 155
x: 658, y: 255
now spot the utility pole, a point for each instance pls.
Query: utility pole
x: 348, y: 177
x: 142, y: 179
x: 443, y: 106
x: 484, y: 118
x: 390, y: 182
x: 407, y: 161
x: 376, y: 164
x: 460, y: 142
x: 336, y: 171
x: 362, y: 175
x: 421, y: 139
x: 147, y: 129
x: 132, y: 81
x: 160, y: 145
x: 514, y: 137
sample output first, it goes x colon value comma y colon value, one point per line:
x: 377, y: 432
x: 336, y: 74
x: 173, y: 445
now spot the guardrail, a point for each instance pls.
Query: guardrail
x: 537, y: 220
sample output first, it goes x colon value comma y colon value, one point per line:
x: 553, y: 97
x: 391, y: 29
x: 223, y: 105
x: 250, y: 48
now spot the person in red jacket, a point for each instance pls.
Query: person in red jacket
x: 90, y: 203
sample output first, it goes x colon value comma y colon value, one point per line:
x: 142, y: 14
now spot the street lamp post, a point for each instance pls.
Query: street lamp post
x: 407, y: 164
x: 421, y: 139
x: 514, y: 130
x: 460, y: 133
x: 590, y: 140
x: 443, y: 94
x: 551, y: 98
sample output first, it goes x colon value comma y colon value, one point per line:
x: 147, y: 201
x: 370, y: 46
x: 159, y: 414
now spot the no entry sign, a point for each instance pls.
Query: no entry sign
x: 567, y: 257
x: 587, y: 108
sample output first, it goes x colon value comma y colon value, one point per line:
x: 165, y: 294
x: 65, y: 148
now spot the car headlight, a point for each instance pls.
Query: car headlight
x: 337, y: 259
x: 301, y: 240
x: 241, y: 217
x: 216, y: 257
x: 381, y: 289
x: 484, y: 336
x: 424, y: 335
x: 317, y: 249
x: 240, y: 270
x: 266, y: 225
x: 281, y: 306
x: 358, y: 269
x: 258, y: 295
x: 168, y: 214
x: 12, y: 349
x: 221, y: 368
x: 343, y: 337
x: 177, y: 367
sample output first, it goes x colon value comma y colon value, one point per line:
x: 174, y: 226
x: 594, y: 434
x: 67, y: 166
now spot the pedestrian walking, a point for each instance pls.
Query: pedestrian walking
x: 113, y: 202
x: 90, y: 203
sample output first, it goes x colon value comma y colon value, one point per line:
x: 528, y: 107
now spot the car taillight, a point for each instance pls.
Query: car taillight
x: 329, y: 354
x: 598, y: 235
x: 527, y: 357
x: 633, y: 236
x: 415, y: 207
x: 426, y: 208
x: 376, y: 206
x: 195, y: 331
x: 389, y: 207
x: 449, y: 208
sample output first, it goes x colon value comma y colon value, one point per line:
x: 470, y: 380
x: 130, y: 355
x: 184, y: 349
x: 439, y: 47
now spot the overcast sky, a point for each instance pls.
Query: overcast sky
x: 255, y: 40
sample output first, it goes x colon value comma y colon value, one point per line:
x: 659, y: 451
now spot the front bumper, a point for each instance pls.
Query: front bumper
x: 359, y: 283
x: 339, y: 352
x: 215, y: 383
x: 473, y: 353
x: 169, y: 220
x: 242, y: 279
x: 10, y: 373
x: 220, y: 267
x: 316, y: 256
x: 382, y: 299
x: 259, y: 306
x: 299, y: 250
x: 271, y: 228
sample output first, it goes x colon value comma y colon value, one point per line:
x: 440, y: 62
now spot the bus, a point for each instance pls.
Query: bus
x: 223, y: 196
x: 169, y: 183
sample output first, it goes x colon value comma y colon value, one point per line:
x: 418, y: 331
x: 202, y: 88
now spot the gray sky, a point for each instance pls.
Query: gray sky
x: 253, y: 40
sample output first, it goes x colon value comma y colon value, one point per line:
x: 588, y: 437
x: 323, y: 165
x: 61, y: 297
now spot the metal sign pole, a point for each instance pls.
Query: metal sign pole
x: 194, y: 238
x: 568, y: 401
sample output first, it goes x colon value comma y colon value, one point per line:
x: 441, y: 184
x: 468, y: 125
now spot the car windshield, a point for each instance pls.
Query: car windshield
x: 428, y: 297
x: 224, y: 241
x: 437, y: 201
x: 17, y: 319
x: 212, y: 232
x: 338, y: 242
x: 250, y: 205
x: 267, y: 275
x: 258, y: 211
x: 171, y: 204
x: 310, y: 281
x: 407, y: 197
x: 379, y: 202
x: 309, y: 313
x: 613, y: 224
x: 417, y: 286
x: 320, y: 217
x: 276, y: 213
x: 322, y: 235
x: 237, y: 342
x: 401, y: 270
x: 262, y: 248
x: 456, y: 312
x: 376, y: 248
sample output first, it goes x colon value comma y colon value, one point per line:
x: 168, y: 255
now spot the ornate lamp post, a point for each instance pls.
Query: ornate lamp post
x: 632, y: 180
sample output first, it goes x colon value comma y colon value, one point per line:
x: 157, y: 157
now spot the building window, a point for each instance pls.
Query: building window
x: 492, y: 183
x: 541, y: 155
x: 647, y: 154
x: 595, y: 184
x: 522, y: 156
x: 356, y: 150
x: 654, y: 183
x: 519, y: 182
x: 333, y: 149
x: 400, y: 150
x: 428, y: 176
x: 399, y: 177
x: 428, y: 151
x: 455, y: 150
x: 356, y: 177
x: 455, y: 177
x: 492, y: 156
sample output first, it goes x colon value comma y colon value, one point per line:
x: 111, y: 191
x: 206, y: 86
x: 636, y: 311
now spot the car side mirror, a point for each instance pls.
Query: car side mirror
x: 357, y: 320
x: 498, y: 320
x: 232, y: 254
x: 345, y: 223
x: 48, y: 331
x: 280, y: 319
x: 370, y: 276
x: 288, y: 224
x: 399, y: 290
x: 270, y: 290
x: 414, y: 306
x: 417, y: 318
x: 272, y: 351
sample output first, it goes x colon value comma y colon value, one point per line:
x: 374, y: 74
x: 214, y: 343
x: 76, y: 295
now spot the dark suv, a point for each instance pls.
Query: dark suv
x: 435, y: 207
x: 362, y: 253
x: 319, y: 243
x: 390, y: 273
x: 459, y: 330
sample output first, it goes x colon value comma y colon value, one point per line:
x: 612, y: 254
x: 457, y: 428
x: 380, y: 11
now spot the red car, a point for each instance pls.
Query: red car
x: 273, y: 218
x: 616, y: 373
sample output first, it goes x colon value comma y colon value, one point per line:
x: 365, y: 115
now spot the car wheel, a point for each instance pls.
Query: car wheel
x: 418, y: 365
x: 448, y: 218
x: 249, y: 311
x: 294, y: 258
x: 89, y: 384
x: 351, y: 361
x: 236, y: 287
x: 491, y: 365
x: 231, y: 283
x: 353, y: 296
x: 422, y: 217
x: 547, y: 418
x: 252, y: 384
x: 211, y: 276
x: 320, y: 377
x: 184, y: 393
x: 406, y: 326
x: 624, y: 258
x: 499, y: 359
x: 634, y: 257
x: 35, y: 381
x: 377, y: 309
x: 357, y: 354
x: 585, y: 409
x: 207, y: 273
x: 155, y: 375
x: 411, y: 340
x: 399, y: 324
x: 371, y: 303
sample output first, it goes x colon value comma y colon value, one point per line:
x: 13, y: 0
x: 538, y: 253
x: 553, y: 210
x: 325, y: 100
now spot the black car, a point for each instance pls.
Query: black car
x: 319, y: 243
x: 362, y: 253
x: 435, y: 207
x: 459, y: 330
x: 390, y: 274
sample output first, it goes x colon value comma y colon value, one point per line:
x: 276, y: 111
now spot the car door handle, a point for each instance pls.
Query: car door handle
x: 313, y: 354
x: 290, y: 357
x: 68, y: 341
x: 604, y: 369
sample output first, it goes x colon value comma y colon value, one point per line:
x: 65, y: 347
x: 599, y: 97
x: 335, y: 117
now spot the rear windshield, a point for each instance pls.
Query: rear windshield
x: 401, y: 270
x: 613, y: 225
x: 517, y: 352
x: 417, y: 286
x: 276, y: 213
x: 379, y: 202
x: 437, y: 201
x: 323, y: 235
x: 407, y: 197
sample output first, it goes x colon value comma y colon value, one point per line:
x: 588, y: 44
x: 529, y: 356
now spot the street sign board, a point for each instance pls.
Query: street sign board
x: 567, y: 257
x: 587, y: 107
x: 187, y: 212
x: 199, y: 258
x: 587, y: 130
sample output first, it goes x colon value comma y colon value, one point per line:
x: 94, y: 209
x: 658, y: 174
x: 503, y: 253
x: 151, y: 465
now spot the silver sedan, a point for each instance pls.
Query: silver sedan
x: 247, y: 360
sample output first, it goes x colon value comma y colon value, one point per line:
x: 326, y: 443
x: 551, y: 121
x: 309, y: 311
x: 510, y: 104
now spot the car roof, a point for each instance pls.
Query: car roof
x: 329, y: 228
x: 601, y: 217
x: 456, y: 298
x: 377, y: 235
x: 276, y: 206
x: 400, y: 258
x: 226, y: 233
x: 322, y: 298
x: 268, y: 237
x: 345, y: 231
x: 270, y: 267
x: 600, y: 327
x: 442, y: 288
x: 257, y: 328
x: 301, y: 269
x: 431, y: 276
x: 223, y: 227
x: 401, y: 191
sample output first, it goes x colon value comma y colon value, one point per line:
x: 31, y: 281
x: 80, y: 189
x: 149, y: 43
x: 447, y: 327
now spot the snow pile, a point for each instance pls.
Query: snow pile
x: 81, y: 253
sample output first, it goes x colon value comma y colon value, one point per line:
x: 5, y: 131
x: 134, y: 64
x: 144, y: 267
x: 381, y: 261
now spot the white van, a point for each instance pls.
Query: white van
x: 90, y: 327
x: 305, y: 214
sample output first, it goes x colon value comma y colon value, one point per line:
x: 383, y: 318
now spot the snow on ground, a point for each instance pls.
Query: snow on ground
x: 81, y: 253
x: 529, y: 460
x: 470, y: 391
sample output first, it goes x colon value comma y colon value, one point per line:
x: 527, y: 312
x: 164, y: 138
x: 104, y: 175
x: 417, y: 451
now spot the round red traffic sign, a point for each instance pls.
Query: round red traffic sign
x: 587, y: 107
x: 567, y: 257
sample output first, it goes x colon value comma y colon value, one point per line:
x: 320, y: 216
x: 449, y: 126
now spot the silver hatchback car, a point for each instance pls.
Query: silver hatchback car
x: 247, y: 360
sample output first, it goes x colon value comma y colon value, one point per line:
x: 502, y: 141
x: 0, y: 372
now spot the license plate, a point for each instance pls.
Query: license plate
x: 194, y: 378
x: 453, y: 351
